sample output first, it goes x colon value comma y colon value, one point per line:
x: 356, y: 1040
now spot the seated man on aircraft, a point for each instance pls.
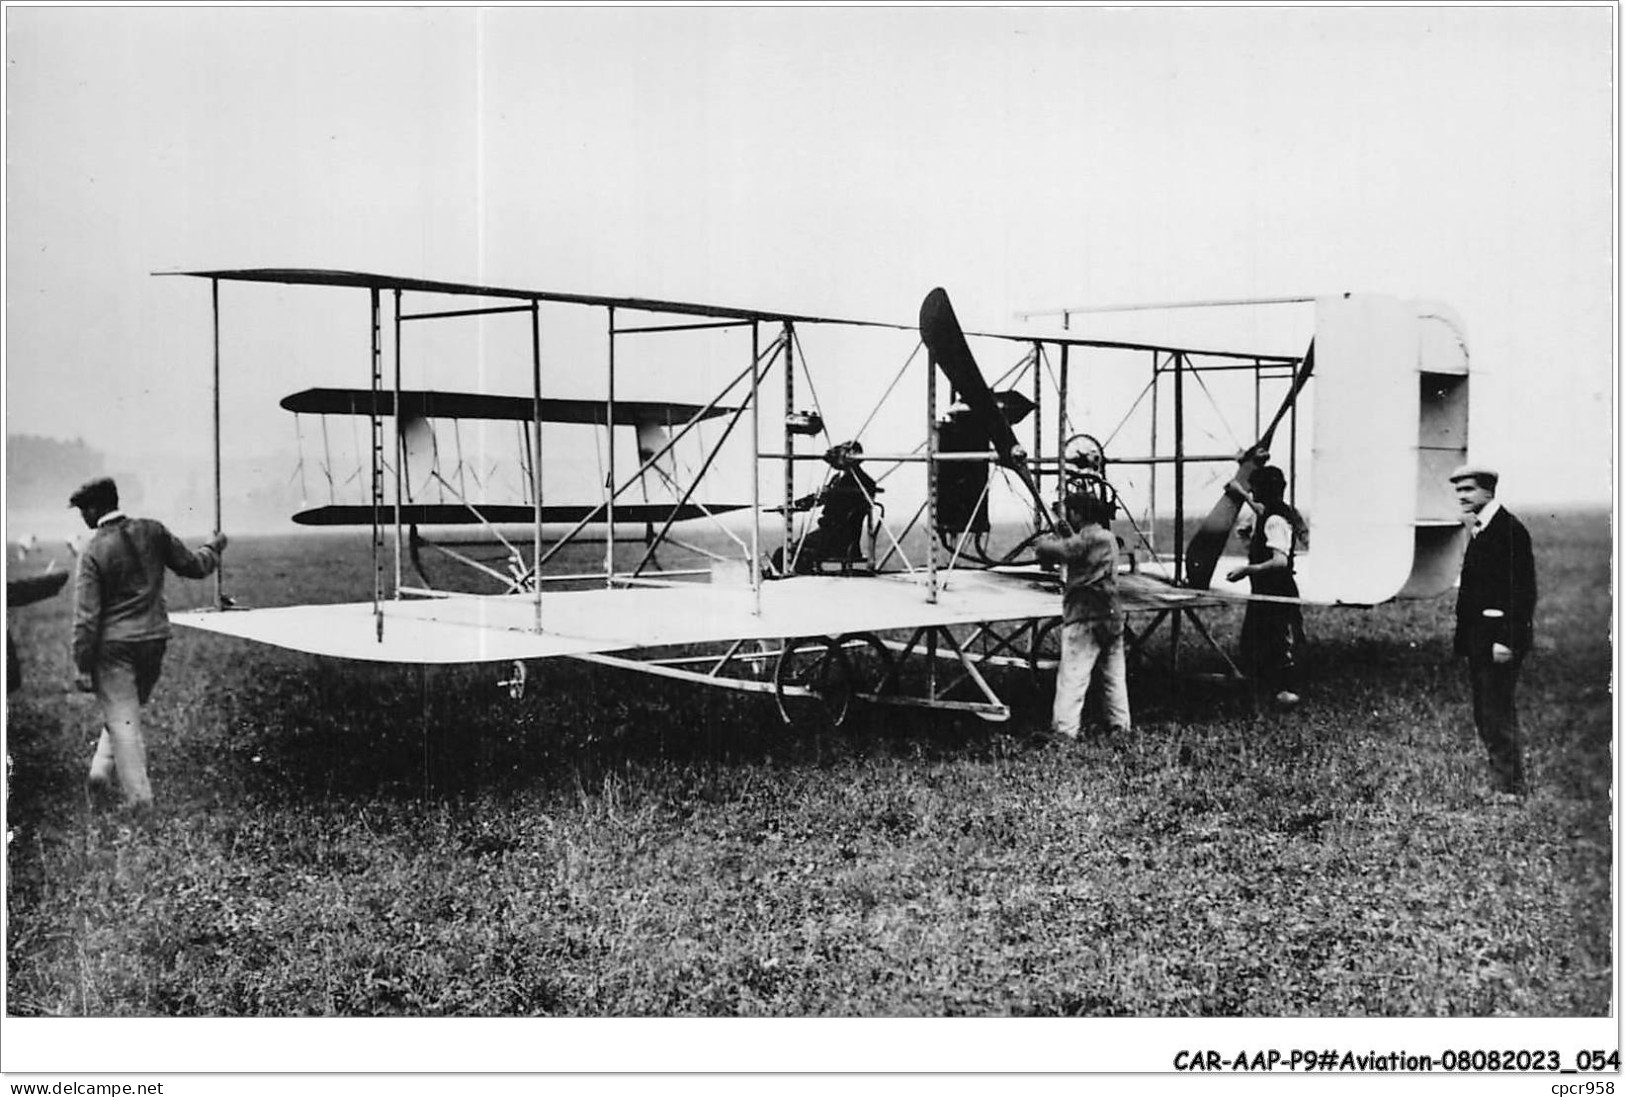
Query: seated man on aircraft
x: 847, y: 499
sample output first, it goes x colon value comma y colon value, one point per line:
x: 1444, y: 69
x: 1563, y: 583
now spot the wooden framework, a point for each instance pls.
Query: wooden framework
x: 930, y: 647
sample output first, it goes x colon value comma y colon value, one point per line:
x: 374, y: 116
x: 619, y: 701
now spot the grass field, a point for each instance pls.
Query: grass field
x: 340, y: 839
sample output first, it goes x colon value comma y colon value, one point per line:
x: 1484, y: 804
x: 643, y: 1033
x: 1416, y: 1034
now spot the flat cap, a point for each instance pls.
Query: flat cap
x: 844, y: 454
x: 1486, y: 476
x: 98, y: 492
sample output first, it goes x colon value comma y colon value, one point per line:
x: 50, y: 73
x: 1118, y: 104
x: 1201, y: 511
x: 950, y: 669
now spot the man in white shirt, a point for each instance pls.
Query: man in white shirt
x: 1270, y: 630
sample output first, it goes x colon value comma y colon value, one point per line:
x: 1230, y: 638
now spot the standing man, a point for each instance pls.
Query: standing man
x: 1270, y: 630
x: 1495, y: 619
x: 120, y: 627
x: 1092, y: 634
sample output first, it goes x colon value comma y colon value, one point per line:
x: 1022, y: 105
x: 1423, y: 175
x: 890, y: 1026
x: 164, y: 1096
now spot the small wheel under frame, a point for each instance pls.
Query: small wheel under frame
x: 817, y: 678
x: 813, y: 682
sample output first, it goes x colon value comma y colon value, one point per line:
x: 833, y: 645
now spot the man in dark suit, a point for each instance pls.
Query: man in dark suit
x: 1495, y: 613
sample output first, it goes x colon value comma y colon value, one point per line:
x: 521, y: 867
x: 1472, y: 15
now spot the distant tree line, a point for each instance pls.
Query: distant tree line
x: 42, y: 472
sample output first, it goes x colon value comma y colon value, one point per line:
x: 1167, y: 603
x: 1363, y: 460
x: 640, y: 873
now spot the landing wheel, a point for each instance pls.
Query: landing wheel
x: 514, y: 683
x: 817, y: 665
x: 874, y: 669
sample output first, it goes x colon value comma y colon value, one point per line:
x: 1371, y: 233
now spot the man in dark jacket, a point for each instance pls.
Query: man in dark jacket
x: 1495, y: 612
x: 848, y: 499
x: 121, y: 627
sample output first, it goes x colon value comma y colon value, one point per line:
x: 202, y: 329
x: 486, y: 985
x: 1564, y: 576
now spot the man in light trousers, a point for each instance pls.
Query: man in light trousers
x: 1092, y: 632
x: 121, y: 627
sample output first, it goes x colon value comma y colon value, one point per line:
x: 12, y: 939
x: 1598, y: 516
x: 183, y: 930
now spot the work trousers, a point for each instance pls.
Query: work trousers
x: 1269, y: 634
x: 124, y: 676
x: 1495, y: 714
x: 1091, y: 652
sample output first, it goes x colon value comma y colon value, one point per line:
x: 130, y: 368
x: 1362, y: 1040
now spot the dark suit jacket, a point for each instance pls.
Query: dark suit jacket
x: 1498, y: 572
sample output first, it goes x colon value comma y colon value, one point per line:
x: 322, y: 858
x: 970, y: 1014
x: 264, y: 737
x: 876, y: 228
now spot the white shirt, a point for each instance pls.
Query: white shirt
x: 1278, y: 534
x: 1482, y: 518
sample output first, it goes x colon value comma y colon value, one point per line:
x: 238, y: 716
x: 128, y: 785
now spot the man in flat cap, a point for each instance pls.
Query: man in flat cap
x: 1093, y: 651
x: 848, y: 500
x: 1495, y: 613
x: 120, y: 627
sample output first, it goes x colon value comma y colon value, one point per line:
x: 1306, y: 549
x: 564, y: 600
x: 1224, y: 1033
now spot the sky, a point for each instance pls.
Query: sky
x: 835, y: 161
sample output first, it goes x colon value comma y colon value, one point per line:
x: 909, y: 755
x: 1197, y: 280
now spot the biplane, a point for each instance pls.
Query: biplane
x: 915, y: 584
